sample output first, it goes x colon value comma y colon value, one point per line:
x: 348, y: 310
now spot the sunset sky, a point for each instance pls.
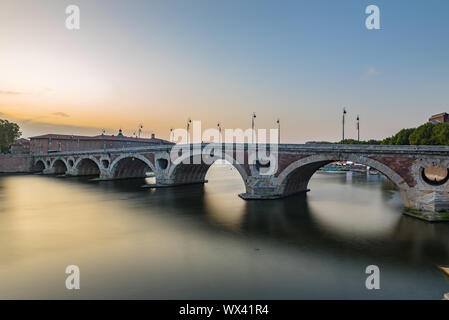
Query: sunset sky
x: 161, y: 62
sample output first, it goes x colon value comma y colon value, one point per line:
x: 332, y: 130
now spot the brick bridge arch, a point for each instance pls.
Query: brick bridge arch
x: 87, y: 166
x: 297, y: 175
x: 59, y: 166
x: 130, y: 166
x: 192, y: 167
x: 39, y: 165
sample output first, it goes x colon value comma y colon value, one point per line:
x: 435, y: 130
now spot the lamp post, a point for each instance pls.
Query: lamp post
x: 253, y: 116
x: 219, y: 132
x: 358, y: 128
x: 344, y: 112
x: 140, y: 129
x: 171, y: 134
x: 188, y: 129
x: 279, y: 130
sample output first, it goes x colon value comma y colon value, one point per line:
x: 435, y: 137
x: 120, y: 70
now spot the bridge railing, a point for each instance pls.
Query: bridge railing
x: 340, y: 148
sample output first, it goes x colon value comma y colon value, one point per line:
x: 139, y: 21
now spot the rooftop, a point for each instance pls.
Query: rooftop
x: 439, y: 114
x: 99, y: 137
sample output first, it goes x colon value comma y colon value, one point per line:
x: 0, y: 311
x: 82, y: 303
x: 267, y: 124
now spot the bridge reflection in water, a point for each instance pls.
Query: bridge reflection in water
x: 204, y: 242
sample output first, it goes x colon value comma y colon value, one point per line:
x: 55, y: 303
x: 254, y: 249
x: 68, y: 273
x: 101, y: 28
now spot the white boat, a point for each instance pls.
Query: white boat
x: 445, y: 271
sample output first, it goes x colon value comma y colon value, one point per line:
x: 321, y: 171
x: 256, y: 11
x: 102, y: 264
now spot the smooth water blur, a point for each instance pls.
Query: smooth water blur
x: 205, y: 242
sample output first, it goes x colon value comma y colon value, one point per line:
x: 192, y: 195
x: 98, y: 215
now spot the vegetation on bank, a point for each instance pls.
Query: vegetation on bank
x: 9, y: 132
x: 426, y: 134
x: 353, y: 141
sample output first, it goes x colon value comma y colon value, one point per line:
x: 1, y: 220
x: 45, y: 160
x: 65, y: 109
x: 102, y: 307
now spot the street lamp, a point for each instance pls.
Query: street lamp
x: 188, y: 129
x: 344, y: 112
x: 253, y: 116
x: 219, y: 132
x: 358, y: 128
x: 171, y: 134
x: 140, y: 129
x: 279, y: 130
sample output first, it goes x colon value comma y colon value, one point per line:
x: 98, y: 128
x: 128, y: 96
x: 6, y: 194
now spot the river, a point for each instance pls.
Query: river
x: 204, y: 242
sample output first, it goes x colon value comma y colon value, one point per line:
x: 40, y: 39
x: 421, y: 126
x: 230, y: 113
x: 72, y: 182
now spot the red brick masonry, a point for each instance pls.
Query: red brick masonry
x: 12, y: 163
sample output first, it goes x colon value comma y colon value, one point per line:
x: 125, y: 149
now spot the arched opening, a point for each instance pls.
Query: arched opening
x: 105, y: 163
x: 298, y: 180
x: 296, y: 177
x: 39, y: 166
x: 162, y: 163
x: 435, y: 176
x: 88, y: 167
x: 132, y: 167
x: 59, y: 167
x: 197, y: 167
x: 223, y: 173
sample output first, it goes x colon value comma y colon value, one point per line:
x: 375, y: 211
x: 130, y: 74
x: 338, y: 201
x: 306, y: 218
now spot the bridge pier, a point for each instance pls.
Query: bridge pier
x: 261, y: 188
x: 163, y: 182
x: 71, y: 172
x: 49, y: 171
x: 429, y: 205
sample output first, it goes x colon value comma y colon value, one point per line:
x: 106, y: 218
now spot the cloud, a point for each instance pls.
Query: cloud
x: 45, y: 117
x: 372, y: 72
x: 60, y: 114
x: 9, y: 92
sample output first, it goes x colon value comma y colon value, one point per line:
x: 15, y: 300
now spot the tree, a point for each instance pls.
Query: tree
x: 426, y: 134
x: 441, y: 133
x: 431, y: 134
x: 9, y: 132
x: 400, y: 138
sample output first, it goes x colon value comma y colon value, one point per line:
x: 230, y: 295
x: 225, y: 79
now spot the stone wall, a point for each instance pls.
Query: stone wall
x: 15, y: 163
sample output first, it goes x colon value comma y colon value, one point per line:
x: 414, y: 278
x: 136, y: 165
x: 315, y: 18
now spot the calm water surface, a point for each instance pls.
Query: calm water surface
x: 205, y: 242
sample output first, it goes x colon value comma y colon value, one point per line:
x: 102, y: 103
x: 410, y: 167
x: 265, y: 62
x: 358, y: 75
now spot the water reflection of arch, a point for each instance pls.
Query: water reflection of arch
x: 281, y: 218
x: 428, y: 240
x: 224, y: 184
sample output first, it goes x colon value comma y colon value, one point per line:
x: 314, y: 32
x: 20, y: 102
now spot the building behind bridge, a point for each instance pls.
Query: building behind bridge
x: 439, y: 118
x: 20, y: 146
x: 22, y: 150
x: 50, y: 143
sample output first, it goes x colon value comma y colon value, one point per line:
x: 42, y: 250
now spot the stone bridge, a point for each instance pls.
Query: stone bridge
x: 419, y: 172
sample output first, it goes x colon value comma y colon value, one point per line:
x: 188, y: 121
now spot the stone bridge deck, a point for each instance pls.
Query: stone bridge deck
x: 269, y: 171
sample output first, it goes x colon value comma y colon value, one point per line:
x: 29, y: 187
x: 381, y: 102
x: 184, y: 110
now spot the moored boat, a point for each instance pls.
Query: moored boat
x: 445, y: 271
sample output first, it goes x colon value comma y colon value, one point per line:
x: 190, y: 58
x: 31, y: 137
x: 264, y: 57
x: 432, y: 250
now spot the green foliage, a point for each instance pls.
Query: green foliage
x: 400, y: 138
x: 9, y: 132
x: 426, y: 134
x: 431, y: 134
x: 351, y: 141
